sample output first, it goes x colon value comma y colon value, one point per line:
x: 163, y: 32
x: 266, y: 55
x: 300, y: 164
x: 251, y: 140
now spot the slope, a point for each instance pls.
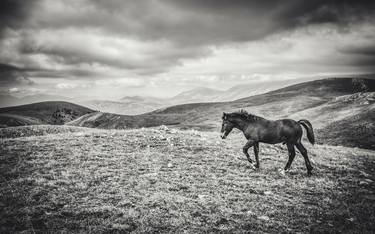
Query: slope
x: 319, y: 101
x: 170, y: 181
x: 41, y: 113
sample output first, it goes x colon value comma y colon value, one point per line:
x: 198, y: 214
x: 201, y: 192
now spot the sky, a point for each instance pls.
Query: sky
x: 107, y: 49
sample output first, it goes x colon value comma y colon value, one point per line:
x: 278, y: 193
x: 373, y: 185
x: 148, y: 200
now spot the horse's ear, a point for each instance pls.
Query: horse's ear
x: 224, y: 115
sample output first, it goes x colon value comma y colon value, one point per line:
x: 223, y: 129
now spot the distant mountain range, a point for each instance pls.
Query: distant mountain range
x: 202, y: 94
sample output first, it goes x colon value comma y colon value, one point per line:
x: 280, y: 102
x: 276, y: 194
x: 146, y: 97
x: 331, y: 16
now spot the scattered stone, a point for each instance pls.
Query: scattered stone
x: 264, y: 218
x: 268, y: 193
x: 362, y: 182
x: 202, y: 196
x: 170, y: 165
x: 364, y: 174
x: 350, y: 219
x: 249, y: 212
x: 163, y: 127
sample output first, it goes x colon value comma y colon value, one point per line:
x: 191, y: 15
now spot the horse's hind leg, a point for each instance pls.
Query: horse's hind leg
x: 292, y: 154
x: 303, y: 151
x: 256, y: 152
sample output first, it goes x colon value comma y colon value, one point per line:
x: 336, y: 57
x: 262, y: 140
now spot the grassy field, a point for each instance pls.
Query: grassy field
x: 68, y: 179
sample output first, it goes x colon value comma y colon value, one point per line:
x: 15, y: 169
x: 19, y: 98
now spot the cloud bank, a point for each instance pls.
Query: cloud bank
x: 144, y: 46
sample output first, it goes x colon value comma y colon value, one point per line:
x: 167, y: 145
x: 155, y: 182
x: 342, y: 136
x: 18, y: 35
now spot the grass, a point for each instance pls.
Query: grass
x: 167, y: 180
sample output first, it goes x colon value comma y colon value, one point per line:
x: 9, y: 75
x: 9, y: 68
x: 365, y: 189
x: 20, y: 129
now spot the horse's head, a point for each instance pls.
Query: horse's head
x: 226, y: 126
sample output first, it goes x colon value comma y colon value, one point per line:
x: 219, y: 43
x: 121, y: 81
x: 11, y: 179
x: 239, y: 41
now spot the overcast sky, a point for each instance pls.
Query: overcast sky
x: 112, y: 48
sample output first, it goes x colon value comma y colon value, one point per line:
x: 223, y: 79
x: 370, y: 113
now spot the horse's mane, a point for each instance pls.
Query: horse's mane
x: 244, y: 115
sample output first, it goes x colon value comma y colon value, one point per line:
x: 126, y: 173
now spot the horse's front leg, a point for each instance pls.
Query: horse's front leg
x: 256, y: 152
x: 246, y: 147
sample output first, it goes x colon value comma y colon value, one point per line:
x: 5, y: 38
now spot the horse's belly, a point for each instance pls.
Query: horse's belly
x: 277, y: 137
x: 272, y: 139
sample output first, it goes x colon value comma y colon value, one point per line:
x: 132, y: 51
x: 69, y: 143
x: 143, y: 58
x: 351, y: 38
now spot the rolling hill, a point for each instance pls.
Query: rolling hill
x: 132, y: 105
x: 202, y: 94
x: 41, y: 113
x: 330, y: 104
x: 7, y: 100
x: 323, y: 102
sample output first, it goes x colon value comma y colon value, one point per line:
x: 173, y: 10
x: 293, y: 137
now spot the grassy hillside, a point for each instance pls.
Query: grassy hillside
x: 41, y: 113
x: 324, y: 102
x: 353, y: 129
x: 330, y: 105
x: 166, y: 180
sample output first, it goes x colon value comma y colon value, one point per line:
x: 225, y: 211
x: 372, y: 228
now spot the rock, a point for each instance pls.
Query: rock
x: 163, y: 127
x: 268, y: 193
x: 249, y: 212
x: 368, y: 180
x: 264, y: 218
x: 350, y: 219
x: 202, y: 196
x: 170, y: 165
x: 364, y: 174
x: 362, y: 182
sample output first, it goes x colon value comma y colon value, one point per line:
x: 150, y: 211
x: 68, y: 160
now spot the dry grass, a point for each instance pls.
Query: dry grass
x: 165, y: 180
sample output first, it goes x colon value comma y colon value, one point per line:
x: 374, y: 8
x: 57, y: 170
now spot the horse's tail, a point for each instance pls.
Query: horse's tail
x: 309, y: 129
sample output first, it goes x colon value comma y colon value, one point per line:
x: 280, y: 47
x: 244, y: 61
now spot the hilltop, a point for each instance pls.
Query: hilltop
x: 53, y: 112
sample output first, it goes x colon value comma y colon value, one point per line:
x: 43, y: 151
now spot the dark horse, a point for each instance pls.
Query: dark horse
x: 257, y: 129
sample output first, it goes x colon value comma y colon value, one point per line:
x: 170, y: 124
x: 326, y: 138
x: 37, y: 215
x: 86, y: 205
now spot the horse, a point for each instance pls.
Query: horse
x: 260, y: 130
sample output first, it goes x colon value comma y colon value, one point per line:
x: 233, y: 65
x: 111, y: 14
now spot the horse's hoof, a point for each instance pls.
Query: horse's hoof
x: 282, y: 172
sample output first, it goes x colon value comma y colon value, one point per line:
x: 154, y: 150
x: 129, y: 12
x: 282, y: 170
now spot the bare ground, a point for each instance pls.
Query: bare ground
x: 165, y: 180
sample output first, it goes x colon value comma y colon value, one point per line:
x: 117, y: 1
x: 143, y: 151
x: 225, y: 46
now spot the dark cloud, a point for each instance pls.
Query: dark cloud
x: 13, y: 13
x: 361, y: 56
x: 190, y: 27
x: 217, y: 21
x: 368, y: 50
x: 153, y: 60
x: 12, y: 75
x: 197, y: 22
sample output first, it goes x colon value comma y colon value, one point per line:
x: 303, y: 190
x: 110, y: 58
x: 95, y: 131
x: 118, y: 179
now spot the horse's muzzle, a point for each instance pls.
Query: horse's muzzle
x: 223, y: 135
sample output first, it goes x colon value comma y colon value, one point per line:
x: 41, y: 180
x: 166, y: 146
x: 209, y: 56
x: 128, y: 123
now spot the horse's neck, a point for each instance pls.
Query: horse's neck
x: 242, y: 124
